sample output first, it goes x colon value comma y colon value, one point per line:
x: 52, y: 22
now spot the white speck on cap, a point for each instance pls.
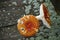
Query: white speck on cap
x: 36, y: 29
x: 28, y: 17
x: 20, y: 21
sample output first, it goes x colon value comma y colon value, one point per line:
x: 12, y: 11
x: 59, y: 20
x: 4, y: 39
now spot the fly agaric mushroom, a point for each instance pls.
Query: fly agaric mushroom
x: 28, y: 25
x: 44, y: 15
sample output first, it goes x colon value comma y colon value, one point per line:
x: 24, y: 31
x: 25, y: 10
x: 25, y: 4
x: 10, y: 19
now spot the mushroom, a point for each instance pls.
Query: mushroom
x: 28, y: 25
x: 44, y: 15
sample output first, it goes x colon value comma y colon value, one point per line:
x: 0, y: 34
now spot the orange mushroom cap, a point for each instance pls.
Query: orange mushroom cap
x: 28, y: 25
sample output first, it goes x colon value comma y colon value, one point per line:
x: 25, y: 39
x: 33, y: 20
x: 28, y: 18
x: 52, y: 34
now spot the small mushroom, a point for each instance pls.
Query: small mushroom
x: 29, y: 27
x: 44, y: 15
